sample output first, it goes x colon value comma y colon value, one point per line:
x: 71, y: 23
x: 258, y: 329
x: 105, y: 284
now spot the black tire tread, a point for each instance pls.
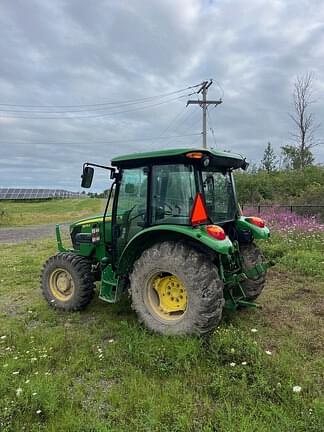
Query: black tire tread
x: 252, y: 255
x: 84, y: 281
x: 203, y: 284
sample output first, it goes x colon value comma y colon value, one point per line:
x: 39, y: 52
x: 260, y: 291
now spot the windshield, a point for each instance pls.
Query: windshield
x: 219, y: 195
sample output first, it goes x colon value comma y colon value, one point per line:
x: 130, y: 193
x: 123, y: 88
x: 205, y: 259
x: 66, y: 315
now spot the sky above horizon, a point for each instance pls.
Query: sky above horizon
x: 87, y: 81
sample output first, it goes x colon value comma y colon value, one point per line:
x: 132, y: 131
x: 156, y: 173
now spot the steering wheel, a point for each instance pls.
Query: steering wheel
x: 165, y: 204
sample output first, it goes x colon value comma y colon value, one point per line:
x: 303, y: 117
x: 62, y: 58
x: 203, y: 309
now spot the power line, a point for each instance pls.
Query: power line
x: 130, y: 101
x: 96, y: 142
x: 173, y: 121
x: 92, y: 115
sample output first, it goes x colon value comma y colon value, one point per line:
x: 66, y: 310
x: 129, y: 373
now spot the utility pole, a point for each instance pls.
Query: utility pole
x: 204, y: 104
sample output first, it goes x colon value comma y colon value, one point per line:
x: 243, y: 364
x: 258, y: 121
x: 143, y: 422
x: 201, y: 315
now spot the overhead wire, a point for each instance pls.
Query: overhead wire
x: 40, y: 143
x: 92, y: 115
x: 101, y: 104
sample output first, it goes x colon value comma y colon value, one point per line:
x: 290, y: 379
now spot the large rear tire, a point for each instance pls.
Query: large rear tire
x: 67, y: 282
x: 252, y: 255
x: 176, y: 290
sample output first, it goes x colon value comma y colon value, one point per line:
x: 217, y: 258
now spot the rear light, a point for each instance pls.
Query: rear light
x: 199, y: 212
x: 256, y: 221
x: 194, y: 155
x: 216, y: 231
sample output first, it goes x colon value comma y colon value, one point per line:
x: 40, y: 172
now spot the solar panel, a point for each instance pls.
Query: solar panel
x: 29, y: 194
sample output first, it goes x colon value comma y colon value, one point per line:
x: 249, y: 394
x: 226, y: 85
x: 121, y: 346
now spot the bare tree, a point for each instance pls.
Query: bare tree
x: 299, y: 155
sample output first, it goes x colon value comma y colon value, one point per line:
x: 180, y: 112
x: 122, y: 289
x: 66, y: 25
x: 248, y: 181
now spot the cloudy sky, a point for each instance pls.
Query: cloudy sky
x: 86, y: 81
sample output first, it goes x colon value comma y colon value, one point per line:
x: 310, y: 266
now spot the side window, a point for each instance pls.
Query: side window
x: 132, y: 202
x: 173, y: 193
x: 219, y: 195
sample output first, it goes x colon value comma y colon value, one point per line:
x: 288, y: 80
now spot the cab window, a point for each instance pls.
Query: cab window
x: 173, y: 193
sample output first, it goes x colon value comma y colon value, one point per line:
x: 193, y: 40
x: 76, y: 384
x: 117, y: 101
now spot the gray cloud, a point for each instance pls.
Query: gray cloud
x: 79, y: 52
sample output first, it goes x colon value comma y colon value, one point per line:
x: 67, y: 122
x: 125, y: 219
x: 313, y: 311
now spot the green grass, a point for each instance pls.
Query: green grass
x: 99, y: 370
x: 51, y: 211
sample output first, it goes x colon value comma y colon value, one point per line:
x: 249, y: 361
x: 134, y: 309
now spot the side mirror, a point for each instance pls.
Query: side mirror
x: 87, y: 176
x: 129, y: 188
x: 245, y: 165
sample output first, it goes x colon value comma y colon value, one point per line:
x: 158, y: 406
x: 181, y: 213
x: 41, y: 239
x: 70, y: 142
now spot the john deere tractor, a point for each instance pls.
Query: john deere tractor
x: 172, y: 236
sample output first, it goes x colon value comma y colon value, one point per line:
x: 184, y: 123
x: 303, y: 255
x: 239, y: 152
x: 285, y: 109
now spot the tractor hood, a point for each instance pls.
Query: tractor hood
x: 90, y: 220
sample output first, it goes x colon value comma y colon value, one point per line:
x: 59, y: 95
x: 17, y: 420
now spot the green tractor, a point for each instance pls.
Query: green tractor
x: 172, y: 235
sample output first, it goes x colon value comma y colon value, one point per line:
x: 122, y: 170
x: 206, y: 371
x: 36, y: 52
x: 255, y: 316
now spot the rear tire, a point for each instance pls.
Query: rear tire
x: 67, y: 282
x: 252, y: 255
x: 185, y: 278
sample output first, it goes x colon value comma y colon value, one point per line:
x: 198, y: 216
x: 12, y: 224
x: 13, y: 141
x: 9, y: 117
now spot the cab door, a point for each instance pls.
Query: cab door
x: 131, y: 206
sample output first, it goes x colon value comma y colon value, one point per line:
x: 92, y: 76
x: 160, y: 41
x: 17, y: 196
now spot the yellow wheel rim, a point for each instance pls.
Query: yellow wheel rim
x: 166, y: 296
x: 61, y: 284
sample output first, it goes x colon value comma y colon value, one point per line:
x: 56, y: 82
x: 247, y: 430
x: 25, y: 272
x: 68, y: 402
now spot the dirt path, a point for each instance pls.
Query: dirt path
x: 27, y: 233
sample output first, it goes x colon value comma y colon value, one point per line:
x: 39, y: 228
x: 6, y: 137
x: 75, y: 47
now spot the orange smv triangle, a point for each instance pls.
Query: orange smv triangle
x: 199, y: 212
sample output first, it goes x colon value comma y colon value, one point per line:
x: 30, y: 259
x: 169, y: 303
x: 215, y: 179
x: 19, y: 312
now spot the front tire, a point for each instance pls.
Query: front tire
x: 252, y: 256
x: 176, y: 290
x: 67, y: 282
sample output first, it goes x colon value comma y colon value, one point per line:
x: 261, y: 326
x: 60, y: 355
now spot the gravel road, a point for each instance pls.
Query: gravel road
x: 27, y: 233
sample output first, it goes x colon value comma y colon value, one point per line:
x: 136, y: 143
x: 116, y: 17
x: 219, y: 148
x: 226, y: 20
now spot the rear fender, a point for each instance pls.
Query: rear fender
x: 149, y: 236
x: 258, y: 233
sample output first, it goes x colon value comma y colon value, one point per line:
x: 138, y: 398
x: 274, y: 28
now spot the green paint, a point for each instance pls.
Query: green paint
x: 159, y: 233
x: 109, y: 283
x: 173, y: 153
x: 118, y: 252
x: 60, y: 246
x: 258, y: 233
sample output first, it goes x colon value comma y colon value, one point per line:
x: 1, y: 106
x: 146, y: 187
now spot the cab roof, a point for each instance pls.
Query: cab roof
x: 221, y: 159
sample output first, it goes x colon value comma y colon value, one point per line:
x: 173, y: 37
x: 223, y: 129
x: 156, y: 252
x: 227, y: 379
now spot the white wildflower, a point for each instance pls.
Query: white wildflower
x: 111, y: 340
x: 33, y: 359
x: 232, y: 350
x: 254, y: 330
x: 297, y: 389
x: 268, y: 352
x: 3, y: 337
x: 19, y: 391
x: 232, y: 364
x: 38, y: 411
x: 5, y: 365
x: 27, y: 381
x: 34, y: 394
x: 244, y: 363
x: 15, y: 373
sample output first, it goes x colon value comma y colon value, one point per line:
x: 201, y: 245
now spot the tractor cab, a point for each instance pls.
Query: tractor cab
x: 189, y: 188
x: 172, y: 234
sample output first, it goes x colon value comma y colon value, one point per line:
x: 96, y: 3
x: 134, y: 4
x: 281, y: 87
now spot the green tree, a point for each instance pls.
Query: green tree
x: 295, y: 159
x: 269, y: 161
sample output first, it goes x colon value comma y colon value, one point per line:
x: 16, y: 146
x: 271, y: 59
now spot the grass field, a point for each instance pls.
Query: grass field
x: 52, y: 211
x: 99, y: 370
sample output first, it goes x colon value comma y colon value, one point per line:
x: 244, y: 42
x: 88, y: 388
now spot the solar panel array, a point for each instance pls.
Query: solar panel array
x: 30, y: 194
